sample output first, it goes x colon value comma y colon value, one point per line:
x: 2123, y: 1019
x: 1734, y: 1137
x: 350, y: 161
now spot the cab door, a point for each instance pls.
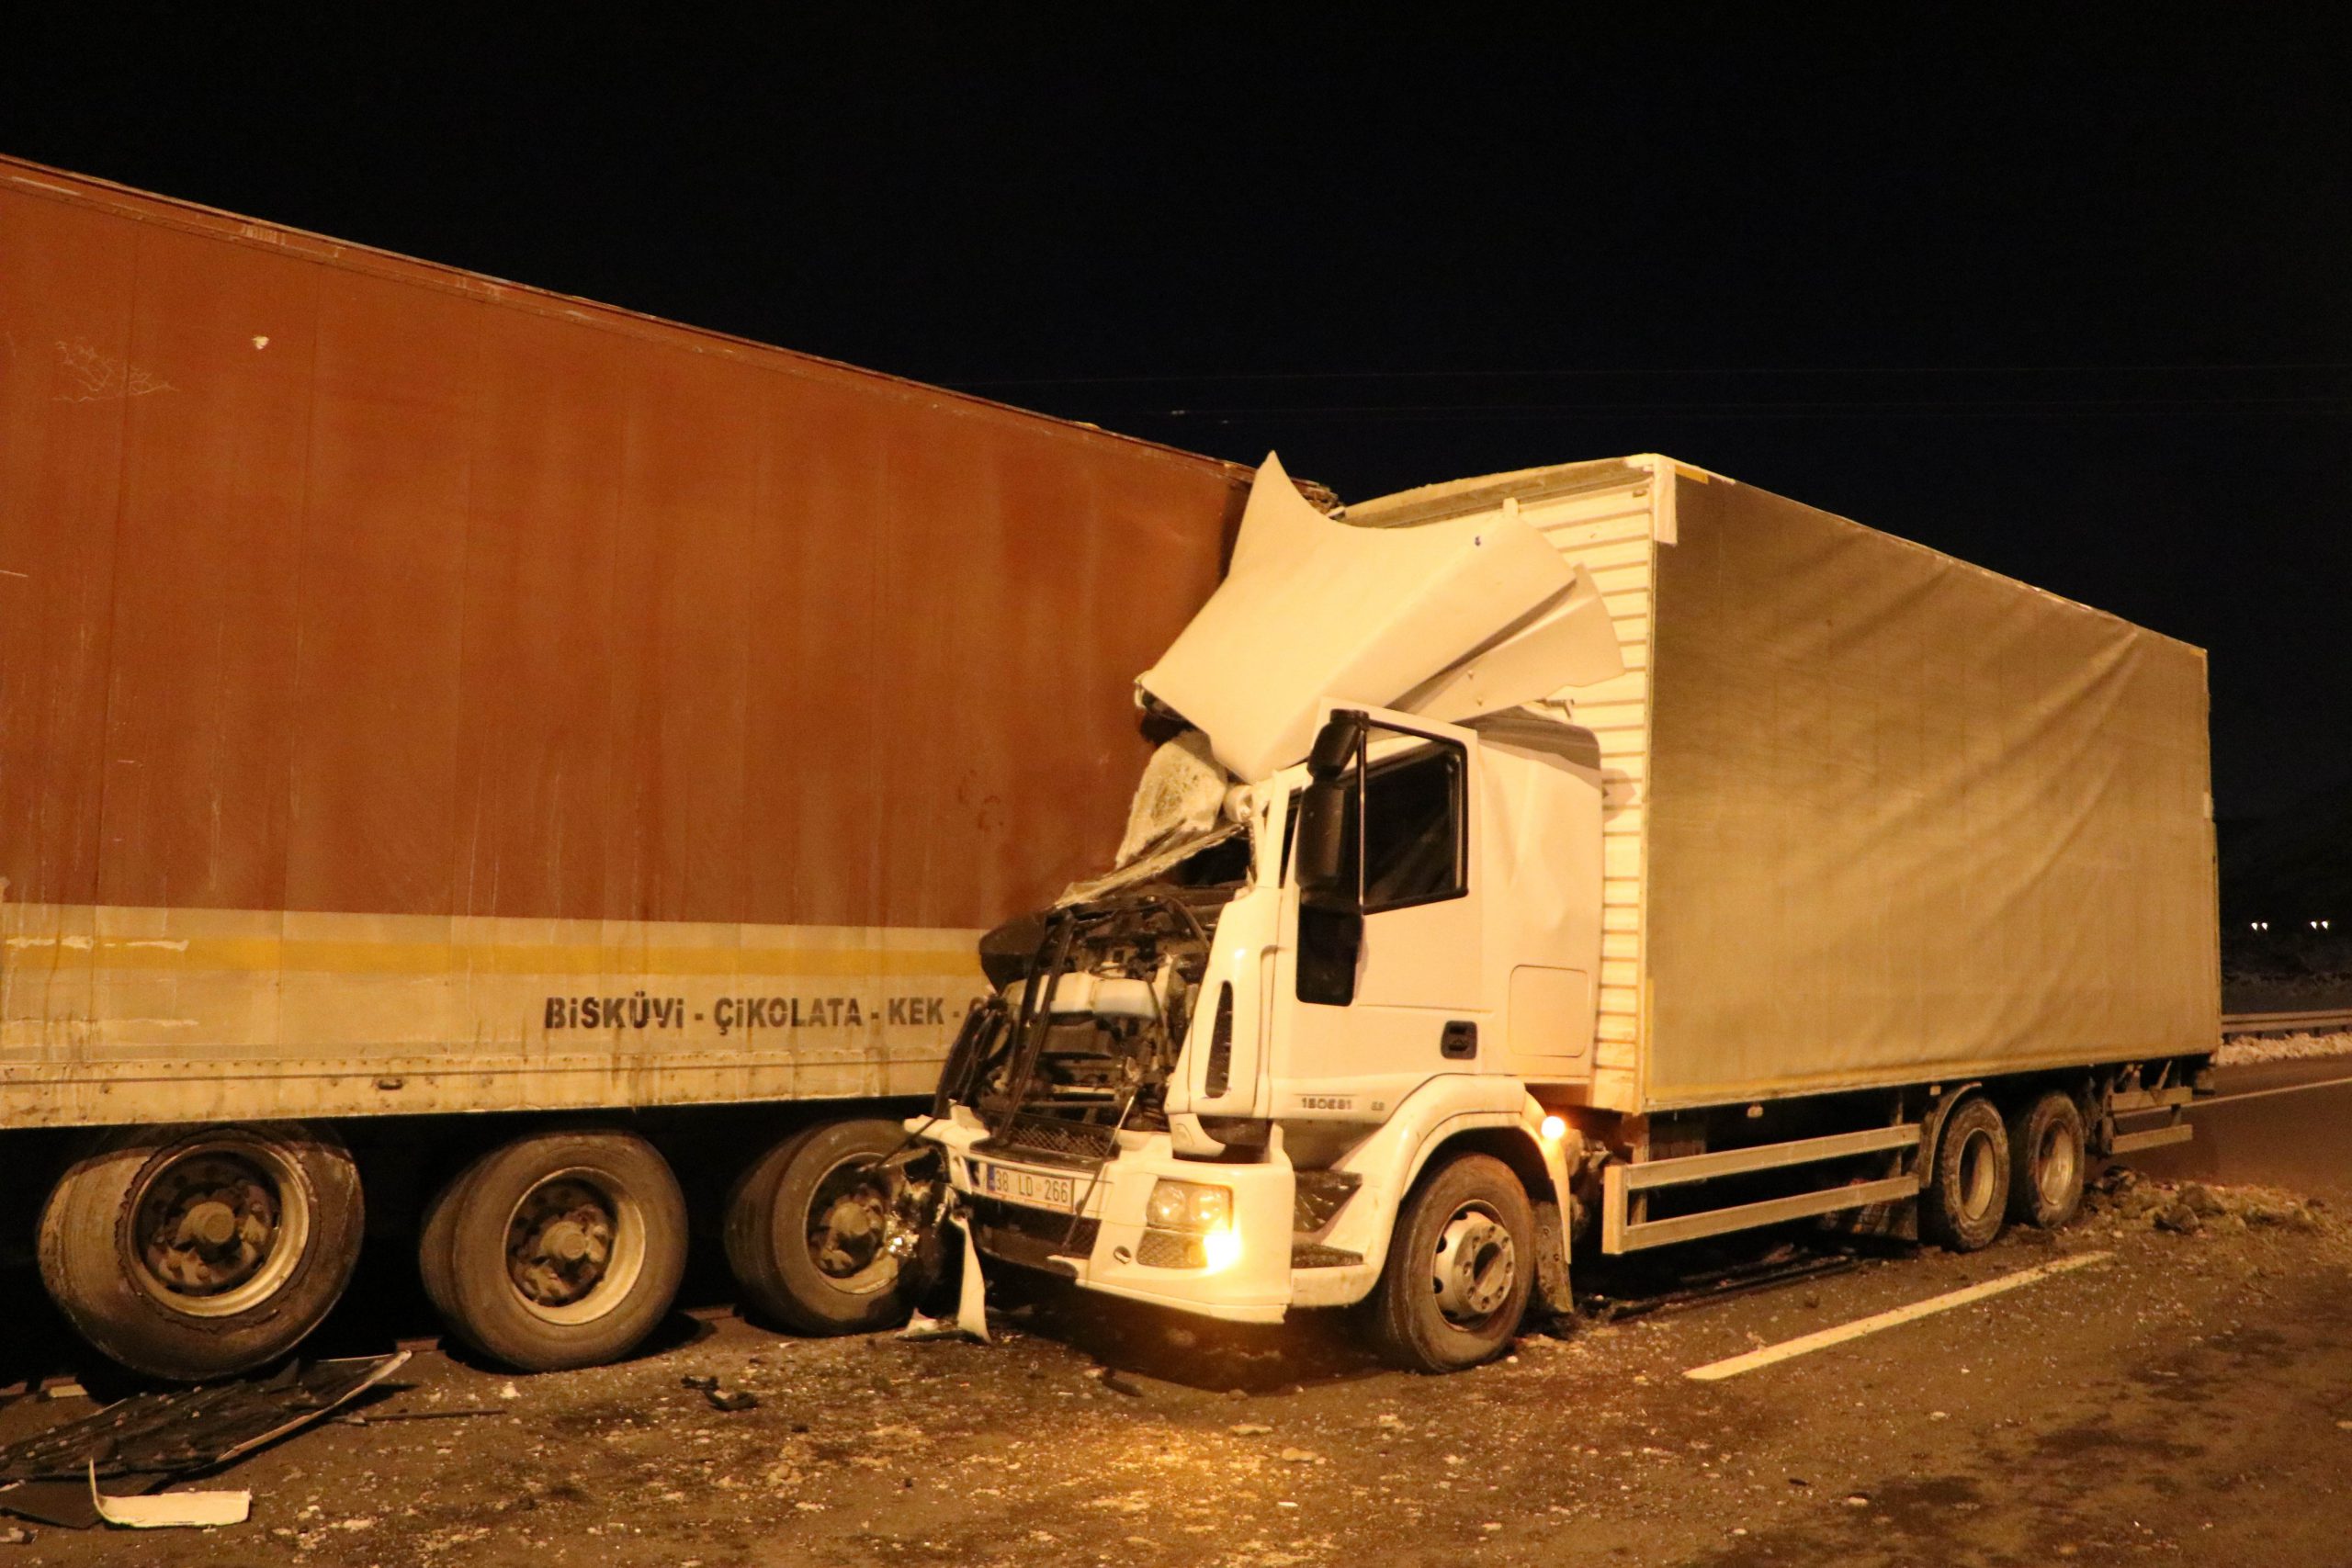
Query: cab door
x: 1351, y: 1046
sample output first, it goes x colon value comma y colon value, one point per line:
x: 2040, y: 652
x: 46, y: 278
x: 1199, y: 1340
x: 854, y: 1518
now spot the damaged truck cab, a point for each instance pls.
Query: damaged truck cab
x: 1597, y: 853
x: 1220, y: 1116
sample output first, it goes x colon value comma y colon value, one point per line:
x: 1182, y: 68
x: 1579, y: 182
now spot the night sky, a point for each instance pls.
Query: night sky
x: 2070, y: 297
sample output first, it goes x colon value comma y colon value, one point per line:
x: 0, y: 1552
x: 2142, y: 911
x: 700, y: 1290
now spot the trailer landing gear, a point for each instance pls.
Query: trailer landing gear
x: 196, y: 1253
x: 556, y: 1250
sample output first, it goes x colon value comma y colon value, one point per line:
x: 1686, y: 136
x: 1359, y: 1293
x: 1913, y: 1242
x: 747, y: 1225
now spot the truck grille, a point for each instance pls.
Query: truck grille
x: 1083, y: 1142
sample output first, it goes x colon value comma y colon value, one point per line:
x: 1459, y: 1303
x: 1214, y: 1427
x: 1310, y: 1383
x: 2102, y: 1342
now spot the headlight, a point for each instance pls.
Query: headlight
x: 1189, y: 1206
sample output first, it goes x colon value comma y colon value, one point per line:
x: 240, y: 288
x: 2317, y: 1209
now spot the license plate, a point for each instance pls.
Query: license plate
x: 1029, y: 1187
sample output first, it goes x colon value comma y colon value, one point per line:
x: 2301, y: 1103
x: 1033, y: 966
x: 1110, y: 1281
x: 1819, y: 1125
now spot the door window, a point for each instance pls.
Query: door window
x: 1415, y: 839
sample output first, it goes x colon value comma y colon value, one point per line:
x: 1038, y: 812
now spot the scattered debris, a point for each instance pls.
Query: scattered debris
x: 920, y: 1326
x: 184, y: 1429
x: 728, y: 1399
x: 171, y: 1510
x: 140, y: 1442
x: 16, y: 1535
x: 362, y: 1419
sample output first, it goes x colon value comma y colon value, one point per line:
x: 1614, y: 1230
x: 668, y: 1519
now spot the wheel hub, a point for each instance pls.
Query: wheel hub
x: 206, y: 1225
x: 1979, y: 1174
x: 2057, y: 1163
x: 849, y: 1237
x: 849, y: 1227
x: 1474, y: 1266
x: 559, y: 1241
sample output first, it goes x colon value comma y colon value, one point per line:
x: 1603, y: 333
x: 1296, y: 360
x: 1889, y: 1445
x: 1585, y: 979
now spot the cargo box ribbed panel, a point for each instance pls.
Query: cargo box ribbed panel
x: 1609, y: 530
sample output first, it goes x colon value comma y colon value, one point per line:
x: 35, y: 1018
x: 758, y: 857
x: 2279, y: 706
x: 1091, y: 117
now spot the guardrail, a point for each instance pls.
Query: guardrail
x: 2323, y: 1022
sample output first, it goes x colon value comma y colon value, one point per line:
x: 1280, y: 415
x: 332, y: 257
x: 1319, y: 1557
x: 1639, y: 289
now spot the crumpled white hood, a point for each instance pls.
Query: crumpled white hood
x: 1448, y: 620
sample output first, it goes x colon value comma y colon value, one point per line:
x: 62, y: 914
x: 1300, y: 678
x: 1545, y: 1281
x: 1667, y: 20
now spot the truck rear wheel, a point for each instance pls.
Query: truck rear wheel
x: 194, y: 1253
x: 1968, y: 1199
x: 557, y: 1250
x: 2047, y: 1158
x: 1460, y: 1268
x: 806, y: 1228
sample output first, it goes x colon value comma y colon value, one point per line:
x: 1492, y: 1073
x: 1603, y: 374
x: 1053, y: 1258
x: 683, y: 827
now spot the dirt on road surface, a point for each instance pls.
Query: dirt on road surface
x: 2186, y: 1399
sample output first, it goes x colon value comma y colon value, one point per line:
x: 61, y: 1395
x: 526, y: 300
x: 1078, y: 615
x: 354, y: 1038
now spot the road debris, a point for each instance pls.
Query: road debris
x: 170, y: 1510
x: 145, y: 1439
x: 728, y: 1399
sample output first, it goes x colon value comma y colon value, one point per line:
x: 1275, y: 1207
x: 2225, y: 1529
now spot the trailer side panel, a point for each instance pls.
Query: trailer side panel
x: 422, y: 692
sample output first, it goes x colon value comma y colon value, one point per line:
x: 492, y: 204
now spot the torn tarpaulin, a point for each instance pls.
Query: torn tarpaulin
x: 151, y: 1436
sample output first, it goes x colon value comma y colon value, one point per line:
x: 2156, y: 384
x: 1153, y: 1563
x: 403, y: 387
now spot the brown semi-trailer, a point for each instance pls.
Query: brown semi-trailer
x: 424, y: 697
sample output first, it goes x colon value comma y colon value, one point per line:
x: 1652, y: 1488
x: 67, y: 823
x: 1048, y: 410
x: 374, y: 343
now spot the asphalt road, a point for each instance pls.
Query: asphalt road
x: 2276, y: 1123
x: 2172, y: 1399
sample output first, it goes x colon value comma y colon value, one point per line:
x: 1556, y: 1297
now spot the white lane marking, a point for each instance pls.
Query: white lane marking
x: 1806, y: 1344
x: 2266, y: 1093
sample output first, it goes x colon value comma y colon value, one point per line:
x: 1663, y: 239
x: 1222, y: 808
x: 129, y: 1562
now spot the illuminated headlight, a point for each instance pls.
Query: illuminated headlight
x: 1189, y: 1206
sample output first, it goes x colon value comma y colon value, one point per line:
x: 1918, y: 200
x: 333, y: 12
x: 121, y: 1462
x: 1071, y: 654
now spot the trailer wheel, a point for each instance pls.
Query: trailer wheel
x: 1969, y: 1198
x: 806, y: 1228
x: 194, y: 1253
x: 1460, y: 1268
x: 557, y: 1250
x: 2047, y: 1158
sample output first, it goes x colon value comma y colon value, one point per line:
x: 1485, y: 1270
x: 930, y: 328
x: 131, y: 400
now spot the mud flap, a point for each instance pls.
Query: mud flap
x: 971, y: 1319
x: 1552, y: 1297
x: 972, y: 1297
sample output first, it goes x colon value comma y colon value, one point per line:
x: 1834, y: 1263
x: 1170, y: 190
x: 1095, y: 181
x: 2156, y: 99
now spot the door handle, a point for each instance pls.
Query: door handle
x: 1460, y: 1040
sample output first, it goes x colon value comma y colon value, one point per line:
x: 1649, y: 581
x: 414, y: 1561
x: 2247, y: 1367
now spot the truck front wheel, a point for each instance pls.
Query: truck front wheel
x: 808, y: 1227
x: 194, y: 1253
x: 1460, y: 1268
x: 1969, y: 1197
x: 557, y: 1250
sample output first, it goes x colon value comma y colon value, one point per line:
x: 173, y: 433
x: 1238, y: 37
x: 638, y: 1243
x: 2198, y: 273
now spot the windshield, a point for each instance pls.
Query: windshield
x: 1216, y: 858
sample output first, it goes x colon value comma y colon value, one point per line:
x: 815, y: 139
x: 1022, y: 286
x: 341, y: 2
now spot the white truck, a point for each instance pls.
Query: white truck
x: 1603, y: 855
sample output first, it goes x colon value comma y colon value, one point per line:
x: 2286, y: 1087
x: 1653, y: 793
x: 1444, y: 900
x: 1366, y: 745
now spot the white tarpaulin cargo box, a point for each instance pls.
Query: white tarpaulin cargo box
x: 1874, y: 815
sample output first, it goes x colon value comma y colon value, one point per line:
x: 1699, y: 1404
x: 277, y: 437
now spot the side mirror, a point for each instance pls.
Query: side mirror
x: 1330, y: 942
x: 1330, y: 871
x: 1336, y: 745
x: 1327, y: 869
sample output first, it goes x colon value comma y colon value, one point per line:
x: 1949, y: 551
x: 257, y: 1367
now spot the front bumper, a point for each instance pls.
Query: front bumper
x: 1102, y: 1247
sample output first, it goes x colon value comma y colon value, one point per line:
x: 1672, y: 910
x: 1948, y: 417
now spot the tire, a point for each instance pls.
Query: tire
x: 190, y: 1253
x: 1964, y: 1206
x: 2049, y: 1153
x: 804, y: 1233
x: 556, y: 1250
x: 1432, y: 1314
